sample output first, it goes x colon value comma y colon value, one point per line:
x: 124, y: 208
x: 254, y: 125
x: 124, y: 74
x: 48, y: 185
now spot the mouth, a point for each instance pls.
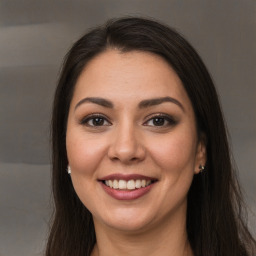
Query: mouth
x: 127, y: 187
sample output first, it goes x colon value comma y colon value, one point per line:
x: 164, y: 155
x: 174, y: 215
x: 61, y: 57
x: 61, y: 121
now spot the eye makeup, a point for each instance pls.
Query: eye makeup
x: 160, y: 120
x: 157, y: 120
x: 94, y: 120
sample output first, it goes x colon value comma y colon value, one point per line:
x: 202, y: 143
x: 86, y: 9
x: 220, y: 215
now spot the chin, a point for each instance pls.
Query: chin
x: 129, y: 226
x: 127, y: 220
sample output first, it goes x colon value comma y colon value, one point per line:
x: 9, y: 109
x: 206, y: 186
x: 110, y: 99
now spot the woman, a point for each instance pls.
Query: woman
x: 141, y: 163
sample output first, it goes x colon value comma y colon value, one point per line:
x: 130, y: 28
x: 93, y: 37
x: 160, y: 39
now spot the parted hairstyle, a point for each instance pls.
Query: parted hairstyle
x: 216, y: 223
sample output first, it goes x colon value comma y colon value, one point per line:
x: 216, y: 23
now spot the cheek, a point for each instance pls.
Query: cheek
x: 175, y: 157
x: 174, y: 153
x: 84, y: 156
x: 84, y: 153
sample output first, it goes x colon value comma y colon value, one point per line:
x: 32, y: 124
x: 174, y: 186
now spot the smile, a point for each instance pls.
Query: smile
x: 127, y: 185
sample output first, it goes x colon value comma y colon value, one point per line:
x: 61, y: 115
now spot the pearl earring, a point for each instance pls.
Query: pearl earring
x: 69, y: 169
x: 201, y: 168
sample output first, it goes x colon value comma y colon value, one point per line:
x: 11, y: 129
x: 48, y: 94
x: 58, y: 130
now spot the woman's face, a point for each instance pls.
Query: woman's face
x: 131, y: 141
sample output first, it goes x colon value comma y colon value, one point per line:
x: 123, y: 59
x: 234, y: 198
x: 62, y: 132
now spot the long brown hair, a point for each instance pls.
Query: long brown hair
x: 215, y: 212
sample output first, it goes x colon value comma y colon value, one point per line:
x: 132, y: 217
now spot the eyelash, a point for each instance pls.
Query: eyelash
x: 165, y: 118
x: 93, y: 117
x: 168, y: 120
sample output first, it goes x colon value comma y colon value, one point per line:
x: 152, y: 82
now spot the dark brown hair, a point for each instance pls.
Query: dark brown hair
x: 215, y: 213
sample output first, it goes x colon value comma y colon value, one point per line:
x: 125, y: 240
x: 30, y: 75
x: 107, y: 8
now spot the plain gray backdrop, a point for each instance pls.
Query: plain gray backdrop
x: 34, y: 37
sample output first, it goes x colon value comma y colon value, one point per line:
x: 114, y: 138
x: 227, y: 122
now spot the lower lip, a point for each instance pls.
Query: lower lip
x: 127, y: 194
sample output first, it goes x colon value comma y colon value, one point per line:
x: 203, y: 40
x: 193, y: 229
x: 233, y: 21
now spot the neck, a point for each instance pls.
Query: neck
x: 165, y: 239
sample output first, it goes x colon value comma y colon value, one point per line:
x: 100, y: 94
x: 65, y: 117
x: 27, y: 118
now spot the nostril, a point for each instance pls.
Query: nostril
x: 128, y: 151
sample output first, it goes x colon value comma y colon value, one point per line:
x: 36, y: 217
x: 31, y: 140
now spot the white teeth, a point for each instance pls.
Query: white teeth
x: 130, y: 184
x: 122, y: 184
x: 115, y: 184
x: 138, y: 184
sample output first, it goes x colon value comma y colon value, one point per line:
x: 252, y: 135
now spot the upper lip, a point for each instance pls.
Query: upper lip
x: 126, y: 177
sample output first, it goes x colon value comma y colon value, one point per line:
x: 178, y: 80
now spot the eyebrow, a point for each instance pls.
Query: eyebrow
x: 100, y: 101
x: 143, y: 104
x: 157, y: 101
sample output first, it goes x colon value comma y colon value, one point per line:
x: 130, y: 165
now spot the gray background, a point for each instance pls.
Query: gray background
x: 34, y: 36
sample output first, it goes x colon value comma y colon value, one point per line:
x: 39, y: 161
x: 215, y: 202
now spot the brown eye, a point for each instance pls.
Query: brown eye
x: 95, y: 120
x: 160, y: 120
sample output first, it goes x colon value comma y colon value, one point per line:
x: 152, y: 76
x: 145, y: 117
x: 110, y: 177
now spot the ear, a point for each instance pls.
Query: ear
x: 201, y: 154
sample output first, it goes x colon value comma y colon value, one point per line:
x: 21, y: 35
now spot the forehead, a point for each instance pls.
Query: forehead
x: 126, y: 76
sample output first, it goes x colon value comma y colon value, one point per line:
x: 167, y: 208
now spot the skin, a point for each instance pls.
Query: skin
x: 128, y: 141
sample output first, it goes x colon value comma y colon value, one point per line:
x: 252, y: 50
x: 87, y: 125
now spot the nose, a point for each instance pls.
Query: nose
x: 126, y: 146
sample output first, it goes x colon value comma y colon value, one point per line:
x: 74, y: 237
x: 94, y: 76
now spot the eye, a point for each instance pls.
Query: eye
x: 95, y: 120
x: 160, y: 120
